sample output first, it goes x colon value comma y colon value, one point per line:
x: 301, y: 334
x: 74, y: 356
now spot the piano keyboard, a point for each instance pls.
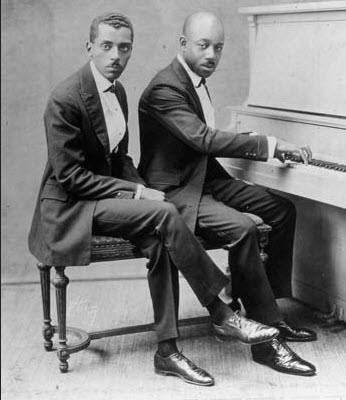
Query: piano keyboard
x: 320, y: 163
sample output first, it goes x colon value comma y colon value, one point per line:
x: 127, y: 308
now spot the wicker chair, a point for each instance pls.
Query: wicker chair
x: 104, y: 249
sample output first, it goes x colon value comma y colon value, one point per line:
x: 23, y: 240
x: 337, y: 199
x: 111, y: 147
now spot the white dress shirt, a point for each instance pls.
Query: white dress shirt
x: 201, y: 90
x: 114, y: 117
x: 207, y: 106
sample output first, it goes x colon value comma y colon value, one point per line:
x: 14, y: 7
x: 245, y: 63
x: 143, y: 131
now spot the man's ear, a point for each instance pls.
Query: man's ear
x: 182, y: 41
x: 89, y: 46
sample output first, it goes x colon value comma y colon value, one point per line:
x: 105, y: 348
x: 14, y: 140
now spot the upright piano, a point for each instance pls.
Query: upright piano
x: 298, y: 93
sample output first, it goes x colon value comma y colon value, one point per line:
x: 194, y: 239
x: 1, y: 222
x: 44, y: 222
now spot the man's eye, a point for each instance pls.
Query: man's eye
x: 106, y: 46
x: 125, y: 48
x: 203, y: 46
x: 219, y: 48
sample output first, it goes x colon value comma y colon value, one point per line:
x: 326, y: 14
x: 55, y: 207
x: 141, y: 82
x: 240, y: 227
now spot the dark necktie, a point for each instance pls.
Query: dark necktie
x: 111, y: 89
x: 203, y: 82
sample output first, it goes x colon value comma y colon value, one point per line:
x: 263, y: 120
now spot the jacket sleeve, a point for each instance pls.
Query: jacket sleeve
x: 66, y: 153
x: 172, y: 108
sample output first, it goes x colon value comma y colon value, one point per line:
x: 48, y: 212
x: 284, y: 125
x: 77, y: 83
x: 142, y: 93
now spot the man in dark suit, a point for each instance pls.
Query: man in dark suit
x: 179, y: 146
x: 90, y: 185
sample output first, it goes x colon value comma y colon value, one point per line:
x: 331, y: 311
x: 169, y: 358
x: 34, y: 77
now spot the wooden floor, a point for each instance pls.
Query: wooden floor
x: 121, y: 368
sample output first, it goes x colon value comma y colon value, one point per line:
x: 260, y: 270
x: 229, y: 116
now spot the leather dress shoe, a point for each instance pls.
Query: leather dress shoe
x: 277, y: 355
x: 245, y: 330
x: 178, y: 365
x: 293, y: 334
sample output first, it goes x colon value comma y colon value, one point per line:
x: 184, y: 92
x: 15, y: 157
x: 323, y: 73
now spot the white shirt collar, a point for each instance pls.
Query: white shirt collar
x: 102, y: 83
x: 196, y: 80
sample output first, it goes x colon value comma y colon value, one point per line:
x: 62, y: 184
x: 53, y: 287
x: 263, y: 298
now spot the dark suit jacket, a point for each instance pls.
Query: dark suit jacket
x: 80, y: 170
x: 178, y: 149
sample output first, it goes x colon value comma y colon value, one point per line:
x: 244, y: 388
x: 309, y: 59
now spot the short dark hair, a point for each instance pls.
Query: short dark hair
x: 115, y: 20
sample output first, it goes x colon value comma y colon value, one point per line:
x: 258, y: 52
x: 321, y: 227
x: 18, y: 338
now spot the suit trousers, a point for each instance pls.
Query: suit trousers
x: 163, y: 237
x: 220, y: 217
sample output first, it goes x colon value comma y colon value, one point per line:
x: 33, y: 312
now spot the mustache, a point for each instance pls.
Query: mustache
x: 209, y: 64
x: 114, y: 65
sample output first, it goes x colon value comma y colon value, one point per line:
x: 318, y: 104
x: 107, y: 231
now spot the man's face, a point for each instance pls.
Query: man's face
x: 202, y: 46
x: 111, y: 50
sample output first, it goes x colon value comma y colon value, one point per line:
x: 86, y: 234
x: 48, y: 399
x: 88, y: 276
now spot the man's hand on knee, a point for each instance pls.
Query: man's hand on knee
x: 152, y: 194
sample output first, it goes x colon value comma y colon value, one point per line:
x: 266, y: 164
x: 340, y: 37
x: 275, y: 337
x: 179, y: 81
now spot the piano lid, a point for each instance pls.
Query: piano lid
x: 298, y: 57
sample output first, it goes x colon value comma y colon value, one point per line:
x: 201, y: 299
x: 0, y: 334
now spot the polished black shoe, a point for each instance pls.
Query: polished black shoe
x: 245, y: 330
x: 293, y: 334
x: 277, y: 355
x: 178, y: 365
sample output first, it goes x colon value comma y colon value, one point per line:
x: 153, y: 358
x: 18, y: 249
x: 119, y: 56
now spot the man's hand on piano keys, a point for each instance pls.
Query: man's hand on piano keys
x: 285, y: 150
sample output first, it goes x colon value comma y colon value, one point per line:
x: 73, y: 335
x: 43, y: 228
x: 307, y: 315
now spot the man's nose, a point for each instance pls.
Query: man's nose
x: 115, y: 53
x: 210, y: 53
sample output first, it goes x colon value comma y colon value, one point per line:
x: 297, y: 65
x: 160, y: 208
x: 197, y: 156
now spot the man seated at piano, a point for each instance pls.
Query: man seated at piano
x: 179, y: 146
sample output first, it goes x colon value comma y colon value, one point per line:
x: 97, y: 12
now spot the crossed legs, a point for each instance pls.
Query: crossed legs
x: 163, y: 237
x: 158, y: 230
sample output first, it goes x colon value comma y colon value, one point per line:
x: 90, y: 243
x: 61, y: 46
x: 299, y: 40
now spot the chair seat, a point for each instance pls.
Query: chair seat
x: 106, y: 248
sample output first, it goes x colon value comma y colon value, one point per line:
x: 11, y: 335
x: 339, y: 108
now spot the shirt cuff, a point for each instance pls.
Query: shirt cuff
x: 271, y: 146
x: 138, y: 194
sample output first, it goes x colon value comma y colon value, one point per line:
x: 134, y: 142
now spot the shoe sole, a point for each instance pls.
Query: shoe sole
x: 222, y: 338
x: 297, y: 340
x: 170, y: 373
x: 285, y: 371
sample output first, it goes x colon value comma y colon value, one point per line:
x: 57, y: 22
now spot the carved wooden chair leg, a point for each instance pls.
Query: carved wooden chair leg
x: 61, y: 281
x: 47, y: 329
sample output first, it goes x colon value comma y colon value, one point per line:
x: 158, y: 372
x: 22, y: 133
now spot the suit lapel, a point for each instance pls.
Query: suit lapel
x: 185, y: 79
x: 92, y: 101
x: 121, y: 96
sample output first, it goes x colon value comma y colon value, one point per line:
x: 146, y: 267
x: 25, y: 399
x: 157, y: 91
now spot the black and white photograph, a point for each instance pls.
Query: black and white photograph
x: 173, y: 200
